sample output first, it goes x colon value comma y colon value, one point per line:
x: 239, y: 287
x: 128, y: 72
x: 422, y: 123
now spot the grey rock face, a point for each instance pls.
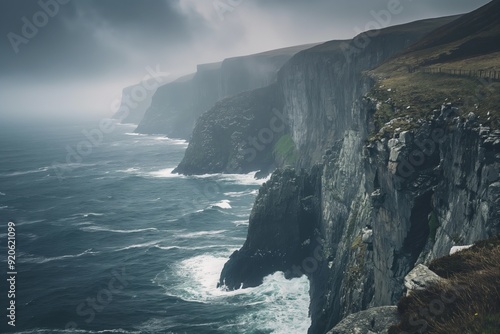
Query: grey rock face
x: 281, y: 232
x: 376, y: 320
x: 237, y: 135
x: 385, y: 205
x: 420, y: 277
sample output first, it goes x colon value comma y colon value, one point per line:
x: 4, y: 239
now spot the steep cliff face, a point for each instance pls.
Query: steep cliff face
x: 135, y: 101
x: 171, y: 105
x: 310, y: 98
x: 229, y: 137
x: 386, y: 203
x: 320, y: 85
x: 281, y: 232
x: 176, y: 106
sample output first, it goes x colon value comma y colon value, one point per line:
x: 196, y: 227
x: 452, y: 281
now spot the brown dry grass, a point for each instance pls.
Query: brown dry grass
x: 467, y: 302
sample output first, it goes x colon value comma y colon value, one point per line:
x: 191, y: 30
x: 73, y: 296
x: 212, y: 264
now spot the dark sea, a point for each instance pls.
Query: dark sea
x: 108, y: 240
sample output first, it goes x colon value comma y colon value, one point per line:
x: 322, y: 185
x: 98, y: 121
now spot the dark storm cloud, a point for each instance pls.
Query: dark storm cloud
x: 89, y: 36
x: 104, y: 45
x: 104, y: 35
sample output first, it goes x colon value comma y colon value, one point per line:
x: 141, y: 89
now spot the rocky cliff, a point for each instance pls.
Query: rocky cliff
x: 176, y: 106
x: 229, y: 137
x: 391, y: 195
x: 310, y: 97
x: 135, y: 100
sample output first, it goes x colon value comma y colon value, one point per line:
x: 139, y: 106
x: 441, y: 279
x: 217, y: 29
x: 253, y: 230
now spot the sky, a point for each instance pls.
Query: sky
x: 73, y: 57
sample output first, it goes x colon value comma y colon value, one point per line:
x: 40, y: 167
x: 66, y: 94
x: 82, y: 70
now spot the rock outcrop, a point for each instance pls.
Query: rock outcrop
x: 238, y: 135
x: 282, y: 230
x: 376, y: 320
x: 419, y: 278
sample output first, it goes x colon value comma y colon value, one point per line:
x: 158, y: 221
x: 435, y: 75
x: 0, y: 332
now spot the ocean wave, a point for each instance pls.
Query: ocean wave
x: 199, y: 234
x: 40, y: 259
x: 32, y: 171
x: 286, y: 305
x: 241, y: 222
x: 132, y: 170
x: 4, y: 207
x: 105, y: 229
x: 165, y: 173
x: 135, y: 134
x: 143, y: 245
x: 224, y: 204
x: 282, y: 303
x: 29, y: 222
x: 242, y: 193
x: 225, y: 247
x: 245, y: 179
x: 2, y: 194
x: 126, y: 124
x: 92, y: 214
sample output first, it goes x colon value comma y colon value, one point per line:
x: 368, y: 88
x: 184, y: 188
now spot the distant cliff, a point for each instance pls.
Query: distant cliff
x: 176, y: 106
x: 135, y: 100
x: 397, y: 181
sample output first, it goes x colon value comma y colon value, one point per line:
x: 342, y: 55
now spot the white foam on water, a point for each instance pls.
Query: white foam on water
x: 92, y: 214
x: 224, y: 204
x: 285, y: 305
x: 199, y: 234
x: 132, y: 170
x: 241, y: 193
x: 241, y: 222
x: 32, y: 171
x: 126, y: 124
x: 135, y: 134
x: 244, y: 179
x: 29, y: 258
x: 281, y: 304
x: 143, y: 245
x: 105, y: 229
x: 29, y: 222
x: 165, y: 173
x: 195, y: 248
x: 2, y: 194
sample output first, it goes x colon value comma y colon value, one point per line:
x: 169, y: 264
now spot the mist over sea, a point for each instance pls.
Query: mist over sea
x: 114, y: 243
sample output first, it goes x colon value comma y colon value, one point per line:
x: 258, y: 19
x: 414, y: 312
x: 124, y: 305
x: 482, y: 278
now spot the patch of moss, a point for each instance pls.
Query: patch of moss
x: 285, y: 151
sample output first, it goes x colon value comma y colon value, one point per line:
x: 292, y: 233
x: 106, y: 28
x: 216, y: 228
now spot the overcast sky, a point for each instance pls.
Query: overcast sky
x: 81, y: 57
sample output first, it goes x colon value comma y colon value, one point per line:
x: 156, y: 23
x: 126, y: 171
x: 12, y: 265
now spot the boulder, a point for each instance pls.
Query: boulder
x: 420, y: 278
x: 376, y: 320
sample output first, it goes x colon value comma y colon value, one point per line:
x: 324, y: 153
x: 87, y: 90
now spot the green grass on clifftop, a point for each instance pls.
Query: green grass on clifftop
x: 413, y: 84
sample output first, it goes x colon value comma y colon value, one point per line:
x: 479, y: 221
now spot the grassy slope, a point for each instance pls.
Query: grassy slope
x: 467, y: 302
x: 468, y: 43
